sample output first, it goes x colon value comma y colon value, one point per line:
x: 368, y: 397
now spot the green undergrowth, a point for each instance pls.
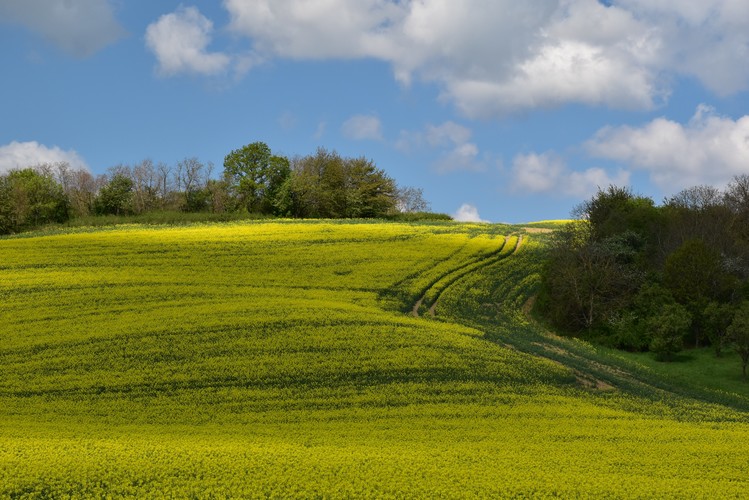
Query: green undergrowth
x: 699, y: 371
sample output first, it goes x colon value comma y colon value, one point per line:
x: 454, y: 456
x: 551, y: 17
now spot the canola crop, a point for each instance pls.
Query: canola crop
x: 277, y: 360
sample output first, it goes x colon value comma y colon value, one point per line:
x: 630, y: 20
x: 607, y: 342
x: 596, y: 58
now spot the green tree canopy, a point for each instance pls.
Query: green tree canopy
x: 115, y: 196
x: 256, y: 176
x: 328, y: 185
x: 29, y: 198
x: 668, y: 329
x: 738, y: 332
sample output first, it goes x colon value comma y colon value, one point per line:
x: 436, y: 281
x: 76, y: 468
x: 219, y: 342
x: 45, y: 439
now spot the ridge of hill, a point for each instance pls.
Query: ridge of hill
x: 284, y: 359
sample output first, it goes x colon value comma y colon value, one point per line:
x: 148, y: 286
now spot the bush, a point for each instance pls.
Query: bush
x: 418, y: 216
x: 667, y: 330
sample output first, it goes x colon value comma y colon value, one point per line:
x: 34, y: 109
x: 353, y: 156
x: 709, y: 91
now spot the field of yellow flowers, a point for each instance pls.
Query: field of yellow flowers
x: 283, y: 359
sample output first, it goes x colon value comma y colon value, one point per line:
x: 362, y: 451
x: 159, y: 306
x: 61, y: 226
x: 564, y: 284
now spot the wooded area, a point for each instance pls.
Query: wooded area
x: 638, y: 276
x: 254, y: 181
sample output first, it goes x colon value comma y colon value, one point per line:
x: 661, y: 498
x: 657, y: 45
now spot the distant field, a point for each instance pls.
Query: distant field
x: 321, y: 359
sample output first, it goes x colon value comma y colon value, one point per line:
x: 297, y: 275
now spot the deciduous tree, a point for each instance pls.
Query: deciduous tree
x: 256, y: 175
x: 738, y: 332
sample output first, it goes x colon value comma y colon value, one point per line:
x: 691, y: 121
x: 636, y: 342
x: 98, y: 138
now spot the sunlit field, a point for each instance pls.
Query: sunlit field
x: 321, y: 359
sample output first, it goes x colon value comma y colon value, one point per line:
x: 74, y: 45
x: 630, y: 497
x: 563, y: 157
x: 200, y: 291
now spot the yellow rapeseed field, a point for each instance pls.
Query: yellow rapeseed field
x: 282, y: 359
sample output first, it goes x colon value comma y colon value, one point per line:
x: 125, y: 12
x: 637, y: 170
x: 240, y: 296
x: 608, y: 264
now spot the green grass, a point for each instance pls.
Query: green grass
x: 280, y: 359
x: 698, y: 369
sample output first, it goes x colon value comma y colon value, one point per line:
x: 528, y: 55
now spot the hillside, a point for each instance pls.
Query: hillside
x: 311, y: 359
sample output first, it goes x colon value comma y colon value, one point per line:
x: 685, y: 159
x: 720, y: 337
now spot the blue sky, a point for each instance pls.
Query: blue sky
x: 500, y: 110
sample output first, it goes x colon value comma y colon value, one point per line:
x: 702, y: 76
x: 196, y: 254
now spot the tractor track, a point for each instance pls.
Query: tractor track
x: 460, y: 272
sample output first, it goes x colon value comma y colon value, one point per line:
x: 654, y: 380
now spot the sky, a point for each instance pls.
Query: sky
x: 500, y: 110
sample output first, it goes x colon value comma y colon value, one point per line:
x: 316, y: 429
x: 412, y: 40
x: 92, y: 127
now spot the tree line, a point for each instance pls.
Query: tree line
x: 645, y: 277
x: 253, y: 181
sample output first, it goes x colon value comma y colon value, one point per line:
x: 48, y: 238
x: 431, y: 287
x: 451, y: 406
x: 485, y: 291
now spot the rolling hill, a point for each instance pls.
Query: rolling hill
x: 327, y: 359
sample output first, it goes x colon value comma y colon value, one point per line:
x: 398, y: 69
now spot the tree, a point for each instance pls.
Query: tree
x: 82, y: 192
x: 585, y: 283
x: 31, y: 197
x: 219, y: 198
x: 411, y: 200
x: 327, y: 185
x: 369, y: 190
x: 193, y: 176
x: 668, y: 329
x: 738, y: 332
x: 115, y: 196
x: 145, y: 189
x: 616, y: 210
x: 631, y: 328
x: 694, y: 275
x: 163, y: 185
x: 717, y: 317
x: 256, y: 175
x: 696, y: 213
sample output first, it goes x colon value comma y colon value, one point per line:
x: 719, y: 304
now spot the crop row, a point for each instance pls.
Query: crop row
x: 272, y: 360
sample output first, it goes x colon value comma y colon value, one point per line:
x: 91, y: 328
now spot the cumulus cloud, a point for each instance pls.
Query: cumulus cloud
x: 29, y: 154
x: 468, y: 213
x: 448, y: 133
x: 452, y: 140
x: 707, y: 39
x: 548, y: 173
x: 708, y: 149
x: 493, y: 57
x: 179, y: 41
x: 301, y: 29
x: 362, y: 127
x: 79, y: 27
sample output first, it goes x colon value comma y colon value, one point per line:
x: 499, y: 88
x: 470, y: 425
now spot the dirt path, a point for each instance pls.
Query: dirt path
x: 417, y: 306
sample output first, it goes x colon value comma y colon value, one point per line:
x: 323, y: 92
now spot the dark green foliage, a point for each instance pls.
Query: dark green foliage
x: 617, y: 210
x: 114, y: 198
x: 256, y: 176
x: 327, y: 185
x: 419, y: 216
x: 29, y: 198
x: 667, y: 329
x: 738, y: 332
x: 587, y: 281
x: 630, y: 329
x: 254, y: 183
x: 716, y: 318
x: 693, y: 273
x: 638, y: 276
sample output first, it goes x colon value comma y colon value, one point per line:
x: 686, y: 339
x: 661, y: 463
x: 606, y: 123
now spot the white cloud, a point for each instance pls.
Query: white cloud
x: 462, y: 158
x: 457, y: 153
x: 29, y: 154
x: 300, y: 29
x: 448, y: 133
x: 361, y: 127
x: 558, y: 74
x: 548, y: 173
x: 707, y: 39
x: 79, y: 27
x: 179, y: 41
x: 708, y: 149
x: 493, y: 57
x: 468, y: 213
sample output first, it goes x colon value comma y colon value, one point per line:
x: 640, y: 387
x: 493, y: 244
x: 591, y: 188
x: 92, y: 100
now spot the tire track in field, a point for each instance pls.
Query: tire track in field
x: 461, y: 273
